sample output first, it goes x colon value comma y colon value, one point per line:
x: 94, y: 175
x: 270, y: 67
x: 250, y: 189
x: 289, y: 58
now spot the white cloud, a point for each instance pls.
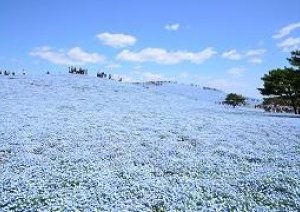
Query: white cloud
x: 172, y: 27
x: 255, y: 60
x: 225, y: 85
x: 232, y: 55
x: 162, y: 56
x: 255, y: 52
x: 221, y: 84
x: 149, y: 76
x: 286, y: 30
x: 289, y: 44
x: 77, y: 54
x: 138, y: 67
x: 74, y: 56
x: 144, y: 76
x: 15, y: 60
x: 116, y: 40
x: 236, y: 72
x: 254, y: 56
x: 184, y: 75
x: 113, y: 66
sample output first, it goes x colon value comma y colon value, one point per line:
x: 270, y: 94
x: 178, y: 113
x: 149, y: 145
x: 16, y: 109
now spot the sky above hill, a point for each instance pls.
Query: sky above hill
x: 223, y: 44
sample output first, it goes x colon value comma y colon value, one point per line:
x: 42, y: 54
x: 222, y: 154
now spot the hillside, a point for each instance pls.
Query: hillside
x: 205, y: 95
x: 72, y: 142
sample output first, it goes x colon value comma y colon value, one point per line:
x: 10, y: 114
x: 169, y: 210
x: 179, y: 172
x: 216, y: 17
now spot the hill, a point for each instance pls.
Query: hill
x: 80, y: 143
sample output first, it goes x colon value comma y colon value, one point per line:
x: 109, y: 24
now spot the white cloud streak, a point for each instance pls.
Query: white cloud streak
x: 289, y: 44
x: 232, y: 55
x: 113, y: 66
x: 116, y: 40
x: 162, y: 56
x: 236, y: 72
x: 255, y: 61
x: 225, y: 85
x: 149, y: 76
x: 74, y: 56
x: 255, y: 52
x: 254, y: 56
x: 286, y: 30
x: 172, y: 27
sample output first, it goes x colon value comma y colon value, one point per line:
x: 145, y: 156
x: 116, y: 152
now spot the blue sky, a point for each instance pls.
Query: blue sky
x: 224, y: 44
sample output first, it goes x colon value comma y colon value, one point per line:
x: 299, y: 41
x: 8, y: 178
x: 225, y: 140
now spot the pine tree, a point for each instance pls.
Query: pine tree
x: 284, y: 84
x: 295, y: 59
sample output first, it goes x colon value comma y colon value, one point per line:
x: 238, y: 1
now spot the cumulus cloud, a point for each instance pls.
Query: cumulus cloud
x: 236, y: 72
x: 286, y: 30
x: 162, y: 56
x: 289, y: 44
x: 232, y: 55
x: 172, y: 27
x: 116, y: 40
x: 74, y: 56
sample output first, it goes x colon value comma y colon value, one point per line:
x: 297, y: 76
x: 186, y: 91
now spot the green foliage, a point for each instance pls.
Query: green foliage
x: 280, y: 82
x: 283, y: 85
x: 235, y: 99
x: 295, y: 59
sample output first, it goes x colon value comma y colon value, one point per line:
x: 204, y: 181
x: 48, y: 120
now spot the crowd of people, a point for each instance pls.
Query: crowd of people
x: 107, y: 76
x: 276, y: 108
x: 75, y: 70
x: 102, y: 75
x: 72, y: 70
x: 7, y: 73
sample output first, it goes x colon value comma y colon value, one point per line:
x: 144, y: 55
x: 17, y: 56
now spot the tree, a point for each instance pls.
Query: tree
x: 235, y: 99
x: 284, y: 84
x: 295, y: 59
